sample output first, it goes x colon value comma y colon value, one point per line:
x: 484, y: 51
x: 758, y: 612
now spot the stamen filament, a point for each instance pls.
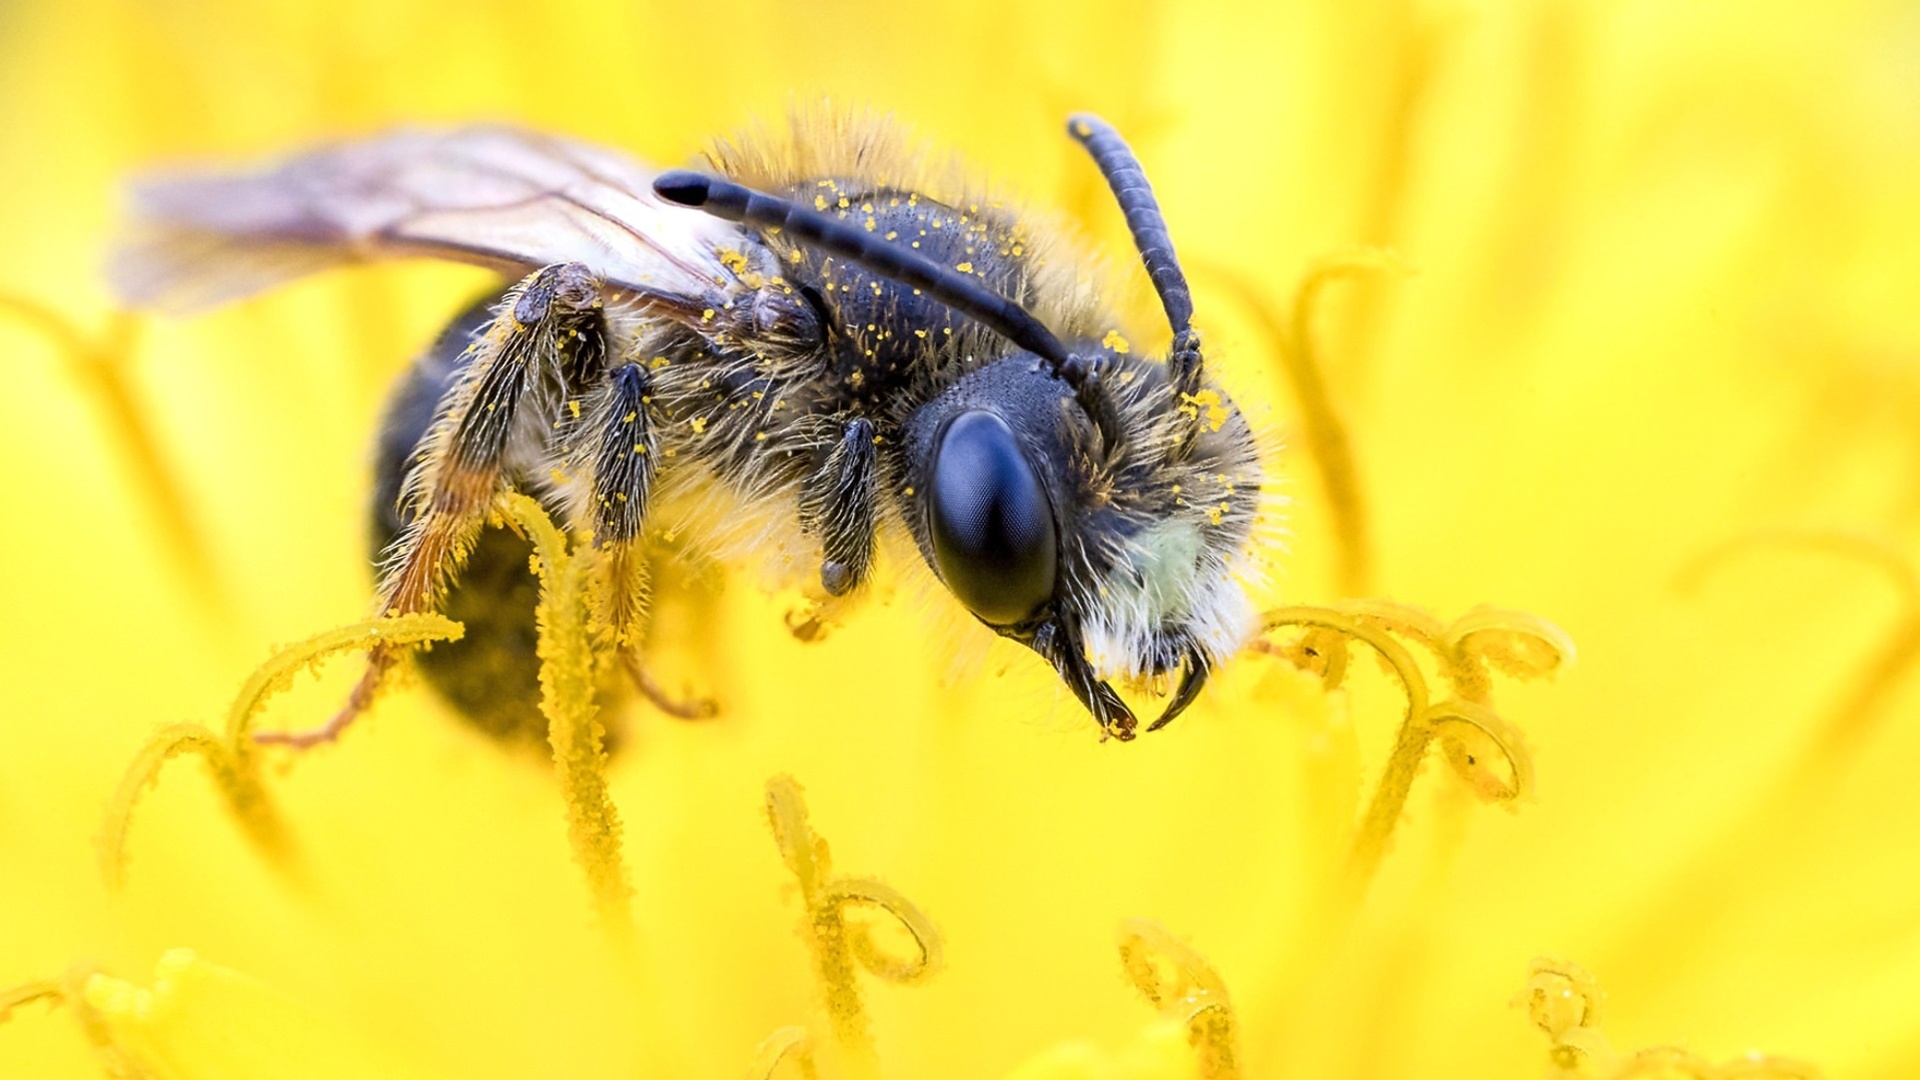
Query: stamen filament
x: 1322, y: 428
x: 101, y: 369
x: 232, y: 757
x: 574, y: 729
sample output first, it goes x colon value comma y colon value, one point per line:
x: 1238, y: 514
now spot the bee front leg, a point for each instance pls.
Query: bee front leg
x: 837, y: 504
x: 625, y: 454
x: 501, y: 399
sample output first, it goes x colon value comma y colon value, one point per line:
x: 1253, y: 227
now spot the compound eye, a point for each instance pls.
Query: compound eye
x: 993, y: 534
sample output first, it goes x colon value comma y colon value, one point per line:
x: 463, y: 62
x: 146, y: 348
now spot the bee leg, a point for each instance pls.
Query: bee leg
x: 624, y: 456
x: 837, y: 503
x: 551, y: 314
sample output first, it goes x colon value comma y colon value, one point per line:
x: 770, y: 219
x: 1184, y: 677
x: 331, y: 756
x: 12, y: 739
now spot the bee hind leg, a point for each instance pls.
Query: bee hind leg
x: 552, y: 315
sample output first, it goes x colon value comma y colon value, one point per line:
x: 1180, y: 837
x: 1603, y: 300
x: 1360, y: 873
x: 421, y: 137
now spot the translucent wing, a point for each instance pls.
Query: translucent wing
x: 497, y: 197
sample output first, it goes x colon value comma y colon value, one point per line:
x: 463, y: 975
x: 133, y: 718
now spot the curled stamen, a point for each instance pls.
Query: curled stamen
x: 1383, y: 812
x: 775, y: 1048
x: 849, y: 892
x: 1470, y: 732
x: 1322, y: 428
x: 837, y: 947
x: 1517, y: 644
x: 1854, y: 718
x: 1178, y: 982
x: 567, y: 685
x: 1471, y: 735
x: 100, y: 366
x: 231, y: 756
x: 1560, y: 996
x: 1564, y: 1001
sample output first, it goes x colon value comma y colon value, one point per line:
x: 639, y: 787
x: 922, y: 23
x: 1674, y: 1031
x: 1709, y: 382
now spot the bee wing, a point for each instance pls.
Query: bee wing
x: 497, y: 197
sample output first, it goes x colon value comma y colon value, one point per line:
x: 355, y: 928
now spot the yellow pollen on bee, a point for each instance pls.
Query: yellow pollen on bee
x: 574, y: 408
x: 872, y: 224
x: 620, y: 496
x: 1216, y: 412
x: 1214, y: 513
x: 819, y: 202
x: 844, y: 203
x: 632, y: 415
x: 759, y: 436
x: 639, y: 448
x: 965, y: 267
x: 699, y: 425
x: 892, y: 233
x: 1118, y: 344
x: 909, y: 491
x: 707, y: 315
x: 733, y: 260
x: 920, y: 334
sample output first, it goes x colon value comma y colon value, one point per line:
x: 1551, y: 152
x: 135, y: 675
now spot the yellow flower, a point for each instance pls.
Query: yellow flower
x: 1597, y: 311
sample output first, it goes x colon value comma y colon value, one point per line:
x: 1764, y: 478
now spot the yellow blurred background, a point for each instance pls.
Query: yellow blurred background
x: 1656, y: 297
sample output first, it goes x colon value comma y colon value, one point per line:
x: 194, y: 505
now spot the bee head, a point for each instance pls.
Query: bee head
x: 1084, y: 503
x: 1112, y: 561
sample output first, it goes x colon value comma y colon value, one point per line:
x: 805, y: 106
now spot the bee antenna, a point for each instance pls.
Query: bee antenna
x: 735, y: 202
x: 1149, y: 227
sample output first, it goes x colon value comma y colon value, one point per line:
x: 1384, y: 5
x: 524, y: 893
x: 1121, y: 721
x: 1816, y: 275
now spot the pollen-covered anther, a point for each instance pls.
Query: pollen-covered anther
x: 232, y: 755
x: 1178, y: 982
x: 840, y: 940
x: 1564, y: 1001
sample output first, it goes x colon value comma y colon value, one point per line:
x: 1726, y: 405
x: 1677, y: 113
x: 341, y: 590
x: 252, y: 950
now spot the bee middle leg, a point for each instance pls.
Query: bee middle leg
x: 547, y: 328
x: 837, y: 505
x: 625, y: 453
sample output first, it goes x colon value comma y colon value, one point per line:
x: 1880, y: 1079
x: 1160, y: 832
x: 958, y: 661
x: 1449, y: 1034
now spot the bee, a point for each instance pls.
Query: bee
x: 790, y: 355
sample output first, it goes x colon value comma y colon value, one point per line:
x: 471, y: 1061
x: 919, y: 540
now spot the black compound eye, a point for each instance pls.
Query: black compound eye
x: 993, y: 534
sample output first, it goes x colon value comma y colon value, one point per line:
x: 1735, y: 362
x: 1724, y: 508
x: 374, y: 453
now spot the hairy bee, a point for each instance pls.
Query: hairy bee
x: 783, y: 356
